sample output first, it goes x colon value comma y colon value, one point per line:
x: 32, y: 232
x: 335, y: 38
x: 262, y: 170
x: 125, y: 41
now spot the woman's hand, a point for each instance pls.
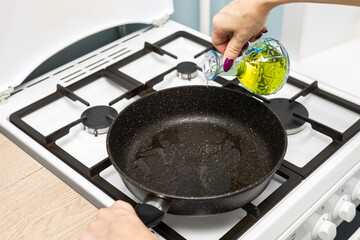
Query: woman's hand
x: 117, y: 222
x: 237, y: 23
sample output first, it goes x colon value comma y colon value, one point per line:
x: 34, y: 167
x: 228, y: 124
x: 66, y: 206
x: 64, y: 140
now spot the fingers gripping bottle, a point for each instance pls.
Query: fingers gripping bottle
x: 262, y: 69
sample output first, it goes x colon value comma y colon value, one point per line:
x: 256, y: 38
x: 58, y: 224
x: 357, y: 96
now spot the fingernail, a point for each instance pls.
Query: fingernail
x: 265, y: 31
x: 258, y: 36
x: 227, y: 64
x: 245, y: 45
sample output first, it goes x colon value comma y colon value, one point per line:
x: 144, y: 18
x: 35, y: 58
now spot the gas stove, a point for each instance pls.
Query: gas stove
x: 54, y: 119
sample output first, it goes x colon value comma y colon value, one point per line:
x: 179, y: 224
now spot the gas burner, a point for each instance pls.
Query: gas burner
x: 96, y: 120
x: 187, y: 70
x: 285, y: 110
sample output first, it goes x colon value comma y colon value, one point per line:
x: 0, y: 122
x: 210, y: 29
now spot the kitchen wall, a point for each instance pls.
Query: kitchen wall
x: 185, y: 12
x: 312, y: 28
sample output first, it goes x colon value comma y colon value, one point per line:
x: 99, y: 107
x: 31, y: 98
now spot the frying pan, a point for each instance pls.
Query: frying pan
x: 195, y: 150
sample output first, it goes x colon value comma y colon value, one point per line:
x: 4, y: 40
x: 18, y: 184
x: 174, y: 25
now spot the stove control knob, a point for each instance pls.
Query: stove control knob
x: 344, y: 209
x: 327, y: 230
x: 322, y: 228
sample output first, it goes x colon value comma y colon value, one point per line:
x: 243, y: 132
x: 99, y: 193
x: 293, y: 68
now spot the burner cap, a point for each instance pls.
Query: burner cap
x: 98, y: 119
x: 285, y: 109
x: 187, y: 70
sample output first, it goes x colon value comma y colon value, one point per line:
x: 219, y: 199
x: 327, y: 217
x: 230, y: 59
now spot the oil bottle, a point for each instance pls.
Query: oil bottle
x: 262, y: 69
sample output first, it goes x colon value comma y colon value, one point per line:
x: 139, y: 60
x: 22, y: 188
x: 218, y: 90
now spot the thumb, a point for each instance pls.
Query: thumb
x: 232, y: 51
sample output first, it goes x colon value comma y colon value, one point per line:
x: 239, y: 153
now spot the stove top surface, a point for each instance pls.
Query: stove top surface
x: 52, y: 126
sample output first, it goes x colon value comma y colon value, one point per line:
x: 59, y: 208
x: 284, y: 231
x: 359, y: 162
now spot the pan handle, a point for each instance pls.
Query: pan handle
x: 152, y: 211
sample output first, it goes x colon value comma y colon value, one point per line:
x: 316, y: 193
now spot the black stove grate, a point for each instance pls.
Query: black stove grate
x: 338, y: 138
x: 92, y: 174
x: 291, y: 173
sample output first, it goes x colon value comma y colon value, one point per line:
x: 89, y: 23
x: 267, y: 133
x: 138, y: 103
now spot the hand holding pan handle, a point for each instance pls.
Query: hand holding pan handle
x: 152, y: 211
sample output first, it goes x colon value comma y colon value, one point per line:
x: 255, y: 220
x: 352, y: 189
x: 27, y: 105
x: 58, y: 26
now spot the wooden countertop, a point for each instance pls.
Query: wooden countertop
x: 34, y: 203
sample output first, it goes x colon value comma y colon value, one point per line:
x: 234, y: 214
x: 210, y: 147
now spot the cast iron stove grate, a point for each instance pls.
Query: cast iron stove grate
x: 290, y: 173
x: 93, y: 173
x: 338, y: 138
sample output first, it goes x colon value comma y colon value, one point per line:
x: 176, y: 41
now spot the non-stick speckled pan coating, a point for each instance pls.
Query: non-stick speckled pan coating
x: 205, y: 150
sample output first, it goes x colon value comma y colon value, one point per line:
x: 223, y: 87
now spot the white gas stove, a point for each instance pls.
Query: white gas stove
x: 316, y: 188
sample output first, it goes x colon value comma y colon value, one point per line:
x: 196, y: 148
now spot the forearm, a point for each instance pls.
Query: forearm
x: 269, y: 4
x: 243, y: 20
x: 341, y: 2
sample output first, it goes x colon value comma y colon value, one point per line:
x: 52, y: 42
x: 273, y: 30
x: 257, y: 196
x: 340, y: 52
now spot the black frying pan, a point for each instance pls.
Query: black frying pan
x: 195, y: 150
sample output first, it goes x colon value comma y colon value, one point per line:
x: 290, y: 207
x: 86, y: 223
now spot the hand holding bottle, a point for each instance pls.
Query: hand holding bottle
x: 243, y: 20
x: 262, y: 69
x: 237, y: 23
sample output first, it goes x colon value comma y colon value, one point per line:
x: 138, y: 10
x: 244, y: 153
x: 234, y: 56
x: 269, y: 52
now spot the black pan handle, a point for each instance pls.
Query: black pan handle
x: 149, y: 215
x: 152, y: 211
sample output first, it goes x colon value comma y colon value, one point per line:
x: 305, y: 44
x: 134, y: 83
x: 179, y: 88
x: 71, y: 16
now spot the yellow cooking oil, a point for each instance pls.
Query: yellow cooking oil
x: 263, y: 71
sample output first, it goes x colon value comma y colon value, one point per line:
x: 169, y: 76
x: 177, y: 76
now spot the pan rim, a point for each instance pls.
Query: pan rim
x: 218, y: 196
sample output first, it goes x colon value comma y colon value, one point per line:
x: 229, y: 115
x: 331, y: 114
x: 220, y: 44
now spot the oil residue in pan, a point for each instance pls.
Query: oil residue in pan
x: 197, y: 161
